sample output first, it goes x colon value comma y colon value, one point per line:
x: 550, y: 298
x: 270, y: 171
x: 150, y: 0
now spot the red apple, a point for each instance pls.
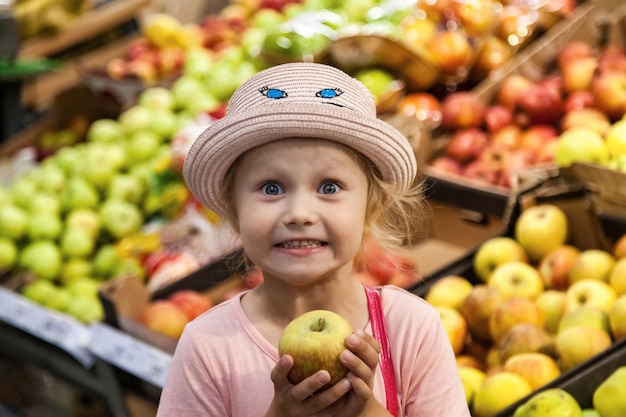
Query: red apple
x: 555, y: 266
x: 518, y: 160
x: 165, y: 317
x: 497, y: 116
x: 588, y: 117
x: 445, y: 163
x: 612, y: 59
x: 572, y: 51
x: 510, y: 87
x: 422, y: 106
x: 539, y: 105
x: 462, y: 109
x: 451, y: 50
x: 609, y: 93
x: 467, y: 143
x: 547, y: 152
x: 482, y: 171
x: 578, y: 100
x: 193, y: 303
x: 509, y: 136
x: 535, y: 137
x: 578, y: 74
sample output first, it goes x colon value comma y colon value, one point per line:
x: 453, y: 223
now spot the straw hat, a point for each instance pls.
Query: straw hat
x: 289, y: 101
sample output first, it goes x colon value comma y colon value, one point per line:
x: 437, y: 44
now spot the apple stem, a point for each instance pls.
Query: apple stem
x: 319, y: 326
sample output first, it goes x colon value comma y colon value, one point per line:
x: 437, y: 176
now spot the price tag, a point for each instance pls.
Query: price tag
x: 51, y: 326
x: 132, y: 355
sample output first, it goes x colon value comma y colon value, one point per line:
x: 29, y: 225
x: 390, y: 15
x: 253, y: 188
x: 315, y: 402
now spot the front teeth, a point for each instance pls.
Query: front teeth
x: 294, y: 244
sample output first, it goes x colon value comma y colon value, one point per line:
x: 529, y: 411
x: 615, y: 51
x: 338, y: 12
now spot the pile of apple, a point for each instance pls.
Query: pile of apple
x: 79, y: 217
x: 607, y: 400
x: 532, y: 307
x: 573, y: 114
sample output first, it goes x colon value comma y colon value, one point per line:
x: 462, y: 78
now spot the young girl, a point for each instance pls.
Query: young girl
x: 303, y: 169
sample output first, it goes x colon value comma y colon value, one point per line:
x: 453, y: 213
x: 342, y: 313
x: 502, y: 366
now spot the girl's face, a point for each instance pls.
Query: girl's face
x: 301, y: 209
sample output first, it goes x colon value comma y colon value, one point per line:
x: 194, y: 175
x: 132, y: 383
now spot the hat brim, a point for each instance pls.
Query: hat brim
x: 215, y: 150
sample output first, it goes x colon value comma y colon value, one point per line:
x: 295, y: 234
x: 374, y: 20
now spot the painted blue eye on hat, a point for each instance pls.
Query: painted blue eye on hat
x: 299, y: 95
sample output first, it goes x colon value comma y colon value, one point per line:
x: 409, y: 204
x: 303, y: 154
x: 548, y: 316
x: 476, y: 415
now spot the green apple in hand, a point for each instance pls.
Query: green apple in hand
x: 315, y: 340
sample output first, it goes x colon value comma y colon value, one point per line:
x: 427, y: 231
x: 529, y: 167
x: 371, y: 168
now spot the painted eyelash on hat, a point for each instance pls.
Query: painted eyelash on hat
x: 326, y: 93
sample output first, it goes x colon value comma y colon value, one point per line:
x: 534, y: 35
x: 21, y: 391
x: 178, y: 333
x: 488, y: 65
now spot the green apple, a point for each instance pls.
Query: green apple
x: 44, y: 225
x: 616, y: 139
x: 105, y: 130
x: 516, y: 279
x: 135, y: 119
x: 69, y: 159
x: 164, y: 123
x: 22, y: 191
x: 498, y: 391
x: 8, y: 253
x: 378, y: 81
x: 85, y: 309
x: 129, y: 267
x: 84, y: 287
x: 100, y: 165
x: 45, y: 201
x: 495, y: 252
x: 540, y: 229
x: 609, y: 398
x: 592, y: 264
x: 157, y: 97
x: 590, y: 293
x: 77, y: 242
x: 590, y: 412
x: 84, y: 218
x: 617, y: 318
x: 75, y: 268
x: 49, y: 177
x: 141, y: 146
x: 314, y: 340
x: 552, y: 304
x: 553, y: 402
x: 13, y: 221
x: 126, y: 187
x: 79, y: 193
x: 186, y: 89
x: 120, y: 218
x: 577, y: 344
x: 585, y: 317
x: 38, y: 290
x: 581, y: 144
x: 43, y: 258
x: 105, y: 260
x: 58, y: 299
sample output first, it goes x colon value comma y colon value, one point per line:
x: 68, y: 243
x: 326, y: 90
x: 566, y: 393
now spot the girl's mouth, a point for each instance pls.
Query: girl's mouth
x: 298, y: 244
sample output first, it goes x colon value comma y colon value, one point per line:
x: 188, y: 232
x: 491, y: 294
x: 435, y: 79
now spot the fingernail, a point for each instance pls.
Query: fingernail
x: 345, y: 384
x: 352, y: 340
x: 323, y: 377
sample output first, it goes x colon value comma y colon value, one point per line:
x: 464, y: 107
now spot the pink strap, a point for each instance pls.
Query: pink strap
x: 380, y: 333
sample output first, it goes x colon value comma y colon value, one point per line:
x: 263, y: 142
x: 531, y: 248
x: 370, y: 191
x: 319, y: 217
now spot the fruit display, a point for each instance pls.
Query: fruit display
x: 39, y: 17
x: 530, y: 307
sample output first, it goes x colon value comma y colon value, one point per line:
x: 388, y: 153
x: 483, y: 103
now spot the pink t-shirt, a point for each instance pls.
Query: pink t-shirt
x: 222, y: 364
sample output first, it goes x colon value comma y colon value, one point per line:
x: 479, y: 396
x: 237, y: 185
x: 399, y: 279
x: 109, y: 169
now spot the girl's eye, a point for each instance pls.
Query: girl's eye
x: 271, y: 189
x: 329, y: 188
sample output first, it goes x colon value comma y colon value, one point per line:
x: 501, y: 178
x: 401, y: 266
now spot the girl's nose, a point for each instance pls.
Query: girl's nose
x: 301, y: 210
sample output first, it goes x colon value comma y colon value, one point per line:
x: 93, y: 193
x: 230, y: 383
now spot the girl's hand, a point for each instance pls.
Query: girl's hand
x: 361, y: 359
x: 303, y: 399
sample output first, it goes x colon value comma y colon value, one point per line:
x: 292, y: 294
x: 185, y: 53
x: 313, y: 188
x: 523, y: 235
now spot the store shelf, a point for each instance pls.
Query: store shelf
x: 94, y: 22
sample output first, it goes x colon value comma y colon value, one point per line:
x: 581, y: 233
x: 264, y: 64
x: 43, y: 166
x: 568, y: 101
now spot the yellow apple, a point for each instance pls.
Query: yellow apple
x: 469, y: 361
x: 617, y: 278
x: 472, y: 380
x: 617, y: 318
x: 592, y: 264
x: 536, y: 368
x: 314, y: 340
x: 449, y: 291
x: 619, y: 247
x: 609, y: 399
x: 576, y: 345
x: 516, y: 279
x: 477, y: 310
x: 585, y: 317
x: 541, y: 229
x: 525, y: 338
x: 497, y: 392
x: 512, y: 311
x: 552, y: 304
x: 590, y: 293
x: 455, y: 326
x: 553, y: 402
x: 494, y: 252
